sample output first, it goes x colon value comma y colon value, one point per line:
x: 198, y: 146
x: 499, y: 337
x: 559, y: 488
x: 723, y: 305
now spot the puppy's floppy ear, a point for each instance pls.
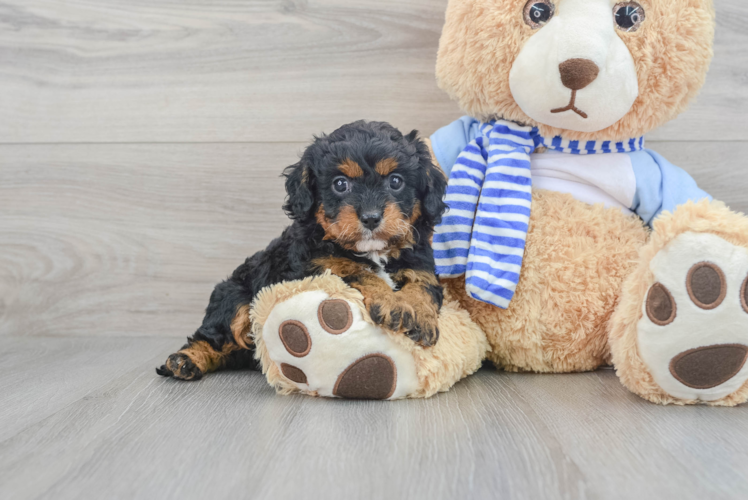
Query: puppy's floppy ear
x: 433, y: 184
x: 299, y: 203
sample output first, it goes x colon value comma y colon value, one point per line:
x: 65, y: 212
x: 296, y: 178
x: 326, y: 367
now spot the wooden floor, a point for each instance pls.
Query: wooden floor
x: 140, y: 147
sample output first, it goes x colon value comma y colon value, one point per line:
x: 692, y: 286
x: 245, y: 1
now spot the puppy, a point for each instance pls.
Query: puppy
x: 364, y: 201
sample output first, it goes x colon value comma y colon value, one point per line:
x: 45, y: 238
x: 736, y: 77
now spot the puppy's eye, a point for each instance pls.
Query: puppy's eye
x: 538, y: 12
x: 629, y: 16
x: 341, y: 185
x: 396, y: 182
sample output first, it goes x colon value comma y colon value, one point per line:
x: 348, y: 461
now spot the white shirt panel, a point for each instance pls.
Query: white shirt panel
x: 604, y: 178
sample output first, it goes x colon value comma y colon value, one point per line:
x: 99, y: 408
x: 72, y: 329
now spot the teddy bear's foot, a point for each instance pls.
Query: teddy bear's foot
x: 690, y: 344
x: 315, y: 336
x: 693, y: 336
x: 320, y: 344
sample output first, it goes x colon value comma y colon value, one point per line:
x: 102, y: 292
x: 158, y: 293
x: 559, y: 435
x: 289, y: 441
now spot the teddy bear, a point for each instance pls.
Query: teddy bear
x: 567, y: 244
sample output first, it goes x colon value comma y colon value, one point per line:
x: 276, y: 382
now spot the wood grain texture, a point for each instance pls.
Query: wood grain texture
x: 264, y: 70
x: 130, y: 239
x: 495, y: 435
x: 42, y: 376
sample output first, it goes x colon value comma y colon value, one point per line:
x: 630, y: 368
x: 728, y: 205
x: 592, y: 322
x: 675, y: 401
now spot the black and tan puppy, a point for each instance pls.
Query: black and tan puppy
x: 364, y: 201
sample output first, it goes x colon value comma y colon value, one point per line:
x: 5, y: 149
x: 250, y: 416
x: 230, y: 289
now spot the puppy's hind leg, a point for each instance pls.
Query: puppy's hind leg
x: 222, y: 340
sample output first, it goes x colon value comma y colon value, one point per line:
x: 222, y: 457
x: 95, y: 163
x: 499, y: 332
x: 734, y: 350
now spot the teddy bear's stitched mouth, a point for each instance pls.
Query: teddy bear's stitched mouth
x: 571, y: 106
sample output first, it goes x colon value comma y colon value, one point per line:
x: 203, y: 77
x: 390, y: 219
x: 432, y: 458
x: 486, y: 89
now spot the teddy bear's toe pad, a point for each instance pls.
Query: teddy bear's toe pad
x: 295, y: 338
x: 693, y: 335
x: 371, y: 377
x: 709, y: 366
x: 293, y: 374
x: 324, y: 346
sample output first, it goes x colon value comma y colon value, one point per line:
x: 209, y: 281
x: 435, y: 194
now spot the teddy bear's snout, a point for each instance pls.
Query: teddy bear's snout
x: 576, y: 74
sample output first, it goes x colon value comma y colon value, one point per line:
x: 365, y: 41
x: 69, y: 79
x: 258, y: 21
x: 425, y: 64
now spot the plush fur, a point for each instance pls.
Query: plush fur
x: 576, y: 259
x: 364, y: 201
x: 672, y: 51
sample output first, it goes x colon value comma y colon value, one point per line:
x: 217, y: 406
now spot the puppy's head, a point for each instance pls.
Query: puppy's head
x: 369, y: 187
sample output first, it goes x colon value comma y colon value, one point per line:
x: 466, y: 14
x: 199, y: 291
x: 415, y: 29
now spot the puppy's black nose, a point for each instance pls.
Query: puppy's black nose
x: 371, y: 220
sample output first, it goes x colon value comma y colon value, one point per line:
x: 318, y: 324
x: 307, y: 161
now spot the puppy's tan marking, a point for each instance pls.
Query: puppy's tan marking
x: 397, y: 229
x: 339, y: 266
x: 241, y: 326
x: 386, y: 166
x: 205, y: 357
x: 413, y: 276
x: 345, y: 229
x: 416, y: 214
x: 350, y: 168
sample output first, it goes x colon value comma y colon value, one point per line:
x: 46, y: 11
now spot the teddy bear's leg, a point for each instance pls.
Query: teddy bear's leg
x: 680, y: 332
x: 315, y: 336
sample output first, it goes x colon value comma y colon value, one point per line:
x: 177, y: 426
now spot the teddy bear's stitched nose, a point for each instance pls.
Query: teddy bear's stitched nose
x: 576, y: 74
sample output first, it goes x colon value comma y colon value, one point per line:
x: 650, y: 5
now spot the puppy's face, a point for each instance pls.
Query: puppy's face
x: 368, y: 207
x: 370, y: 188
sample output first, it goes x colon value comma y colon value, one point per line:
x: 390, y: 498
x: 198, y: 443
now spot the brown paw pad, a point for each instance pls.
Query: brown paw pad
x: 295, y: 338
x: 335, y: 316
x: 706, y: 285
x: 661, y: 307
x: 293, y: 374
x: 710, y: 366
x: 371, y: 377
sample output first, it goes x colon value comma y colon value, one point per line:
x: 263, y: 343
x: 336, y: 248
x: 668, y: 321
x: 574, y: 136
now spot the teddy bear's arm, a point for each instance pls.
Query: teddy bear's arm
x: 448, y: 142
x: 661, y: 186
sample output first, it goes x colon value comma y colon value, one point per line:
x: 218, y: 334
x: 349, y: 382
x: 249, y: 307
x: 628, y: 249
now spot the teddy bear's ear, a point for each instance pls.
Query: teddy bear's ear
x: 299, y: 189
x: 433, y: 182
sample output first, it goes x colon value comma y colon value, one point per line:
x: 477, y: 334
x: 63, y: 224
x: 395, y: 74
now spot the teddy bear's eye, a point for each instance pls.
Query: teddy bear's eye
x: 538, y: 12
x: 629, y: 16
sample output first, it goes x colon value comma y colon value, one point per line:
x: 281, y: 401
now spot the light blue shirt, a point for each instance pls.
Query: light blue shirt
x: 660, y: 185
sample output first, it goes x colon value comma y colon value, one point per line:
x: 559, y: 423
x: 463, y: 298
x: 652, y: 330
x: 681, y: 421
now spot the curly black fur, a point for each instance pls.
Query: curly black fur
x: 297, y: 252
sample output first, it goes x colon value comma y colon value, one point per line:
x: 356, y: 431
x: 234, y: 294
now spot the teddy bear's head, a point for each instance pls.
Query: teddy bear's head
x: 586, y: 69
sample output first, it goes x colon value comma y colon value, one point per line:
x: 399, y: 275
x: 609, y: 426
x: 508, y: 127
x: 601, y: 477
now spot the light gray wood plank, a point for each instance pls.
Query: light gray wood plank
x: 720, y: 112
x: 495, y: 435
x: 719, y: 168
x: 130, y: 239
x: 672, y: 450
x: 264, y: 70
x: 39, y: 377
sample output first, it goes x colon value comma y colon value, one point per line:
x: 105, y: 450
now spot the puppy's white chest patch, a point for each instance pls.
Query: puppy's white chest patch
x: 386, y: 277
x: 381, y: 261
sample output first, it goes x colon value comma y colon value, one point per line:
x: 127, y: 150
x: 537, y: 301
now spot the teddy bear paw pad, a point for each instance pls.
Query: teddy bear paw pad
x: 693, y: 335
x: 371, y: 377
x: 323, y: 345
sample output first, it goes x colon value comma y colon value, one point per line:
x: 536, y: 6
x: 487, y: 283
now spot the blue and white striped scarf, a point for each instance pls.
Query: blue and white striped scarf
x: 489, y: 196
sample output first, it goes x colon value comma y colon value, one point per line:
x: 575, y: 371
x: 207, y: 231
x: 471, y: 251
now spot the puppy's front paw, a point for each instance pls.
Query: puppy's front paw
x: 390, y: 314
x: 418, y: 322
x: 422, y: 328
x: 181, y: 367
